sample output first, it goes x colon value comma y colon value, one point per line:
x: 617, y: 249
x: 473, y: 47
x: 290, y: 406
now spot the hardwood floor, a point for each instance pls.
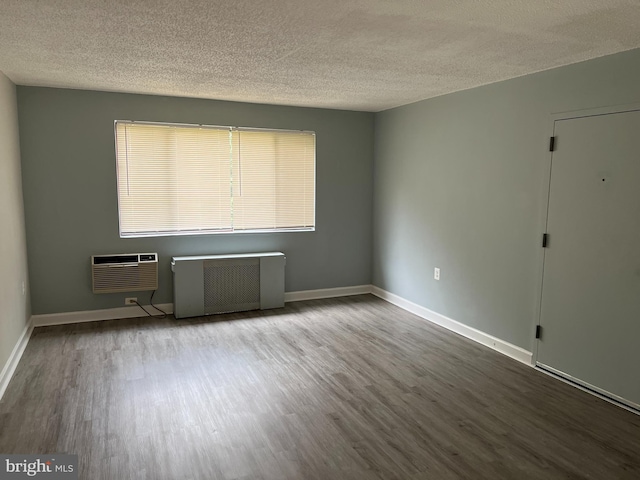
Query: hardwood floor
x: 349, y: 388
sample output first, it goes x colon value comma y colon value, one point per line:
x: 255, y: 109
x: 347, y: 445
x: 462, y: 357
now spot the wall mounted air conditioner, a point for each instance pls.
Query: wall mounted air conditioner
x: 127, y: 272
x: 208, y: 284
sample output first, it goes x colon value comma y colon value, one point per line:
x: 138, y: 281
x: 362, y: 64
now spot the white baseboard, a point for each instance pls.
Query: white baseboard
x: 490, y: 341
x: 326, y: 293
x: 16, y: 354
x: 96, y: 315
x: 135, y: 311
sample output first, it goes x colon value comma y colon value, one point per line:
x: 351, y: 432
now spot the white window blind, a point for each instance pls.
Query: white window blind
x: 188, y: 179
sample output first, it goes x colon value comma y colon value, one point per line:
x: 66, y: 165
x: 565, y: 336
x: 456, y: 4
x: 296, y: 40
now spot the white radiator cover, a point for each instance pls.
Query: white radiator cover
x: 209, y: 284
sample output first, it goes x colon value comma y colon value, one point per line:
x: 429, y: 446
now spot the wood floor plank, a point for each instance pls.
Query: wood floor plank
x: 348, y: 388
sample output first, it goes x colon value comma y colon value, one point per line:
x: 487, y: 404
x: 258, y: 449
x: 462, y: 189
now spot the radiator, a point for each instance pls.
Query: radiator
x: 210, y: 284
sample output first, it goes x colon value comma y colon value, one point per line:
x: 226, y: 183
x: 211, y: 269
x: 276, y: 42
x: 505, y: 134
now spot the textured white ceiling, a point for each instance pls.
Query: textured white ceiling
x: 347, y: 54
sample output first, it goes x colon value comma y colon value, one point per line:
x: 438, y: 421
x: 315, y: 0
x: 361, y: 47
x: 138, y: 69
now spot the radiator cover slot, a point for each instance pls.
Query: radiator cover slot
x: 231, y: 285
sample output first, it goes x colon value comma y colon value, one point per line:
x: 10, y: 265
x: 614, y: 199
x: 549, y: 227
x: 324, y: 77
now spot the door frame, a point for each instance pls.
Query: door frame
x: 544, y: 211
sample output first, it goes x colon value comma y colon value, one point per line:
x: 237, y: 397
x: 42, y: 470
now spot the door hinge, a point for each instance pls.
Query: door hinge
x: 545, y: 240
x: 538, y: 331
x: 552, y: 144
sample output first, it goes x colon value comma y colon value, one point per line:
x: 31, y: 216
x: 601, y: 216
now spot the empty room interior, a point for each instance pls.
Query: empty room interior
x: 320, y: 240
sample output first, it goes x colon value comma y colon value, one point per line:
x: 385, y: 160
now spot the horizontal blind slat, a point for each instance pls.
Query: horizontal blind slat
x: 191, y: 179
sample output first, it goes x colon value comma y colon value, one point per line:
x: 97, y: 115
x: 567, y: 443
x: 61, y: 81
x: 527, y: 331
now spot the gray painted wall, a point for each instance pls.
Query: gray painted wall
x: 14, y: 304
x: 69, y: 184
x: 459, y: 183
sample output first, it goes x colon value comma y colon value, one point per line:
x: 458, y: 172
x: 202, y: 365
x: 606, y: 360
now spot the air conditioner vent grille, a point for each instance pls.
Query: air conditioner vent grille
x: 124, y: 273
x: 231, y: 285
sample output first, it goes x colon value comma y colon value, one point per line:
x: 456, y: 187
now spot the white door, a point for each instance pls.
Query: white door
x: 590, y: 311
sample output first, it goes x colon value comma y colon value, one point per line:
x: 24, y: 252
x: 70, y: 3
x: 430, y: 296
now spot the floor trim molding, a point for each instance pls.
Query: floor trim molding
x: 327, y: 293
x: 13, y: 360
x: 586, y: 387
x: 506, y: 348
x: 117, y: 313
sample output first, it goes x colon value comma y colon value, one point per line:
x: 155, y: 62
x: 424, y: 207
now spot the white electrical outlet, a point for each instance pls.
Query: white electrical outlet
x: 131, y: 301
x: 436, y: 273
x: 24, y: 288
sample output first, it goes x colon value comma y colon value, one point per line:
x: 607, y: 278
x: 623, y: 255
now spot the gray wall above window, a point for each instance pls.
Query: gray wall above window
x: 69, y: 181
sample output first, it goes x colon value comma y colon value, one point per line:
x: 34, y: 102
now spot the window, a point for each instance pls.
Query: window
x: 191, y: 179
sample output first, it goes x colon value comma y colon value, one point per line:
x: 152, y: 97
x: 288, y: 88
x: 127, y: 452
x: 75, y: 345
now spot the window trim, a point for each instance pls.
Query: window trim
x: 207, y: 125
